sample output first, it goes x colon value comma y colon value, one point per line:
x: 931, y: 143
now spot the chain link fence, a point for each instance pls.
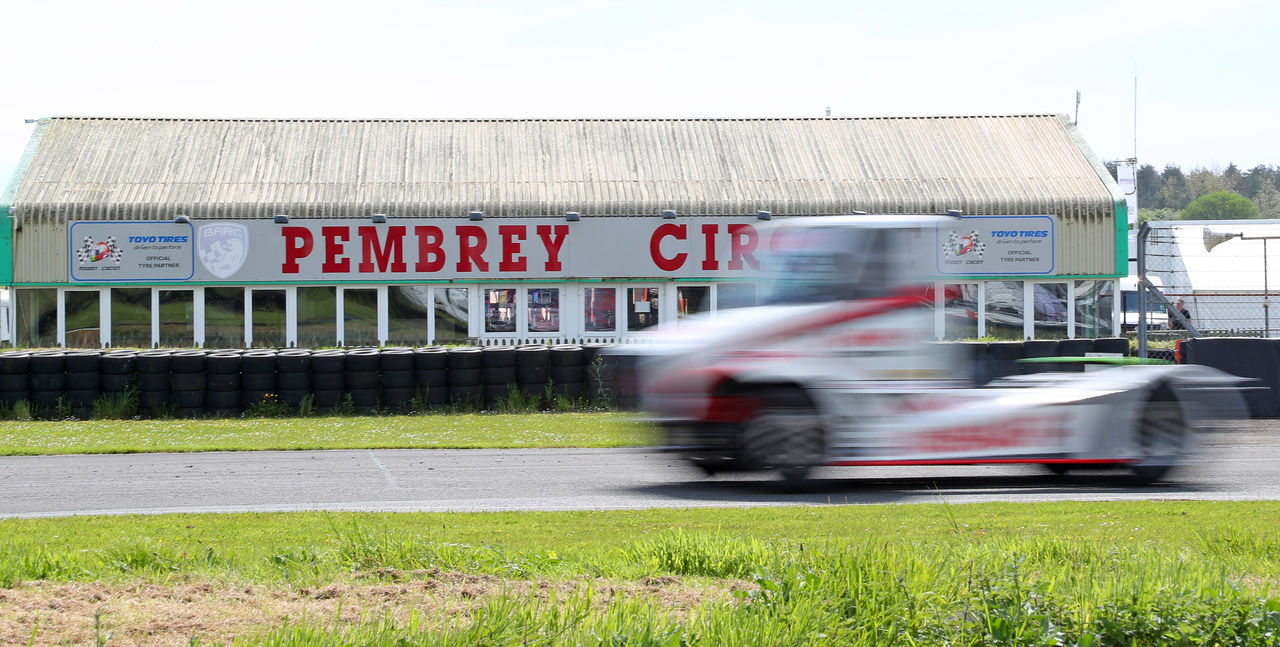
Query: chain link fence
x: 1219, y: 271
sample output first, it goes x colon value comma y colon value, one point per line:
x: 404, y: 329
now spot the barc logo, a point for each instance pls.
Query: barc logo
x: 92, y: 251
x: 223, y: 247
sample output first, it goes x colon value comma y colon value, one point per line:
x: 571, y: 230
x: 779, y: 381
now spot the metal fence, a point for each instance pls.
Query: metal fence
x: 1217, y: 270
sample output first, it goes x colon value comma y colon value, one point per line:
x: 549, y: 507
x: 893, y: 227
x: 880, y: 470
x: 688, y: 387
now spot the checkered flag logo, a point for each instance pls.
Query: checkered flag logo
x: 93, y: 251
x: 961, y: 245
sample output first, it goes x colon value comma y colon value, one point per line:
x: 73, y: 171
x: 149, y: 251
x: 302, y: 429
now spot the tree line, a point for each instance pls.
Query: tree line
x: 1207, y: 194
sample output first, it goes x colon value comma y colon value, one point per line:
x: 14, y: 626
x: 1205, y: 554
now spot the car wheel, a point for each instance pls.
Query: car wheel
x: 785, y: 435
x: 1160, y: 436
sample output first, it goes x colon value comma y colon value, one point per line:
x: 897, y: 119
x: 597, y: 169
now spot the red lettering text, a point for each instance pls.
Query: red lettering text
x: 552, y: 244
x: 709, y: 240
x: 382, y: 254
x: 655, y: 247
x: 510, y: 247
x: 297, y: 244
x: 430, y: 246
x: 471, y: 244
x: 333, y: 239
x: 742, y: 245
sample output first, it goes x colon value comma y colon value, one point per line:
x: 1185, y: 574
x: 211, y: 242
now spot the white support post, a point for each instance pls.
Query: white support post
x: 61, y: 319
x: 155, y: 317
x: 104, y: 317
x: 382, y: 315
x: 197, y: 315
x: 291, y: 316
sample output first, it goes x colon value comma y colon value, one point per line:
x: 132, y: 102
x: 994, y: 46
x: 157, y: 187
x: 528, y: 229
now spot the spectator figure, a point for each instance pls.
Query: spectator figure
x: 1174, y: 323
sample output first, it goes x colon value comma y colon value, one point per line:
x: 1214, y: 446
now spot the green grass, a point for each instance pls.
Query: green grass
x: 436, y: 431
x: 1141, y: 573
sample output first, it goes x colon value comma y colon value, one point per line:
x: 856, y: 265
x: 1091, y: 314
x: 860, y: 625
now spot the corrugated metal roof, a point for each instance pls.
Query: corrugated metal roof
x: 126, y: 169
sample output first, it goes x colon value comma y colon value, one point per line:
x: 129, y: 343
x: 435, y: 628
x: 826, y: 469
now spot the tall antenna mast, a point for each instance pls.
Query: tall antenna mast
x: 1135, y: 122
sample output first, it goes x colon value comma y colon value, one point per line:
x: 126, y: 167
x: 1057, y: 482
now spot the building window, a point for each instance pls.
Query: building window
x: 81, y: 317
x: 451, y: 313
x: 267, y: 316
x: 177, y: 318
x: 1004, y: 310
x: 317, y: 316
x: 1050, y: 310
x: 735, y: 295
x: 960, y: 311
x: 642, y: 308
x: 37, y: 312
x: 408, y: 310
x: 131, y: 317
x: 600, y: 309
x: 223, y: 317
x: 692, y: 300
x: 544, y: 310
x: 500, y: 310
x: 1094, y: 301
x: 360, y: 317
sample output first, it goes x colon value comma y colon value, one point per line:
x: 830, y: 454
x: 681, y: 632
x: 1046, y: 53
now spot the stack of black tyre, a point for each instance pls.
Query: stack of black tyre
x: 599, y: 382
x: 117, y: 373
x: 532, y: 364
x: 48, y: 379
x: 154, y: 379
x: 293, y: 376
x: 499, y: 374
x: 466, y: 363
x: 328, y: 378
x: 431, y: 375
x: 258, y: 378
x: 15, y: 367
x: 190, y: 382
x: 567, y: 372
x: 83, y: 381
x: 362, y: 378
x: 222, y: 397
x: 397, y: 367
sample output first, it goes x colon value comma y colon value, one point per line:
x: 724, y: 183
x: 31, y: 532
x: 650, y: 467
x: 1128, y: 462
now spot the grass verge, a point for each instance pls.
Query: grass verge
x: 1143, y: 573
x: 436, y: 431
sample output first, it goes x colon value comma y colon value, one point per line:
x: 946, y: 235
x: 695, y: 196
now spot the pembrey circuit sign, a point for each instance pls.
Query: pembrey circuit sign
x: 433, y: 249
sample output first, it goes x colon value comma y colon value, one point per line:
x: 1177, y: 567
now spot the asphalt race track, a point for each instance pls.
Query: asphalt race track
x: 1243, y: 463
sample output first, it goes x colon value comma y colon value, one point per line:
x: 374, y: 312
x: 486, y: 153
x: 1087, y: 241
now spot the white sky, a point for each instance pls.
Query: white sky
x: 1207, y: 72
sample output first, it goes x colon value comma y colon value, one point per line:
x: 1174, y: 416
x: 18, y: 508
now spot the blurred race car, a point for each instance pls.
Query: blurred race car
x: 837, y: 368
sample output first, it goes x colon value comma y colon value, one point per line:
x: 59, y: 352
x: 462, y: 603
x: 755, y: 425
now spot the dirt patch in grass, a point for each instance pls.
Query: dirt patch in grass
x: 218, y: 612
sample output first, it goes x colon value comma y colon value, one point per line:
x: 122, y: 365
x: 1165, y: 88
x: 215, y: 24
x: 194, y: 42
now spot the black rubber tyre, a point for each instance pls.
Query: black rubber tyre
x: 12, y: 397
x: 397, y: 378
x: 258, y: 381
x: 83, y: 361
x: 222, y: 363
x: 361, y: 379
x: 294, y: 360
x: 327, y: 399
x: 498, y: 356
x: 396, y: 359
x: 328, y: 361
x: 154, y: 381
x: 48, y: 362
x: 532, y: 374
x: 533, y: 355
x: 115, y: 383
x: 154, y: 361
x: 362, y: 360
x: 189, y: 413
x: 567, y: 374
x: 293, y: 381
x: 566, y: 355
x: 365, y: 398
x: 258, y: 361
x: 571, y: 390
x: 46, y: 399
x: 188, y: 361
x: 118, y: 363
x: 294, y: 397
x: 153, y: 399
x: 396, y: 396
x: 498, y: 374
x: 189, y: 399
x: 464, y: 377
x: 785, y: 435
x: 10, y: 382
x: 226, y: 383
x: 82, y: 398
x: 328, y: 381
x: 434, y: 396
x: 189, y: 382
x: 466, y: 396
x: 431, y: 377
x: 430, y: 358
x: 81, y: 381
x: 1161, y: 436
x: 15, y: 363
x: 465, y: 357
x: 48, y: 382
